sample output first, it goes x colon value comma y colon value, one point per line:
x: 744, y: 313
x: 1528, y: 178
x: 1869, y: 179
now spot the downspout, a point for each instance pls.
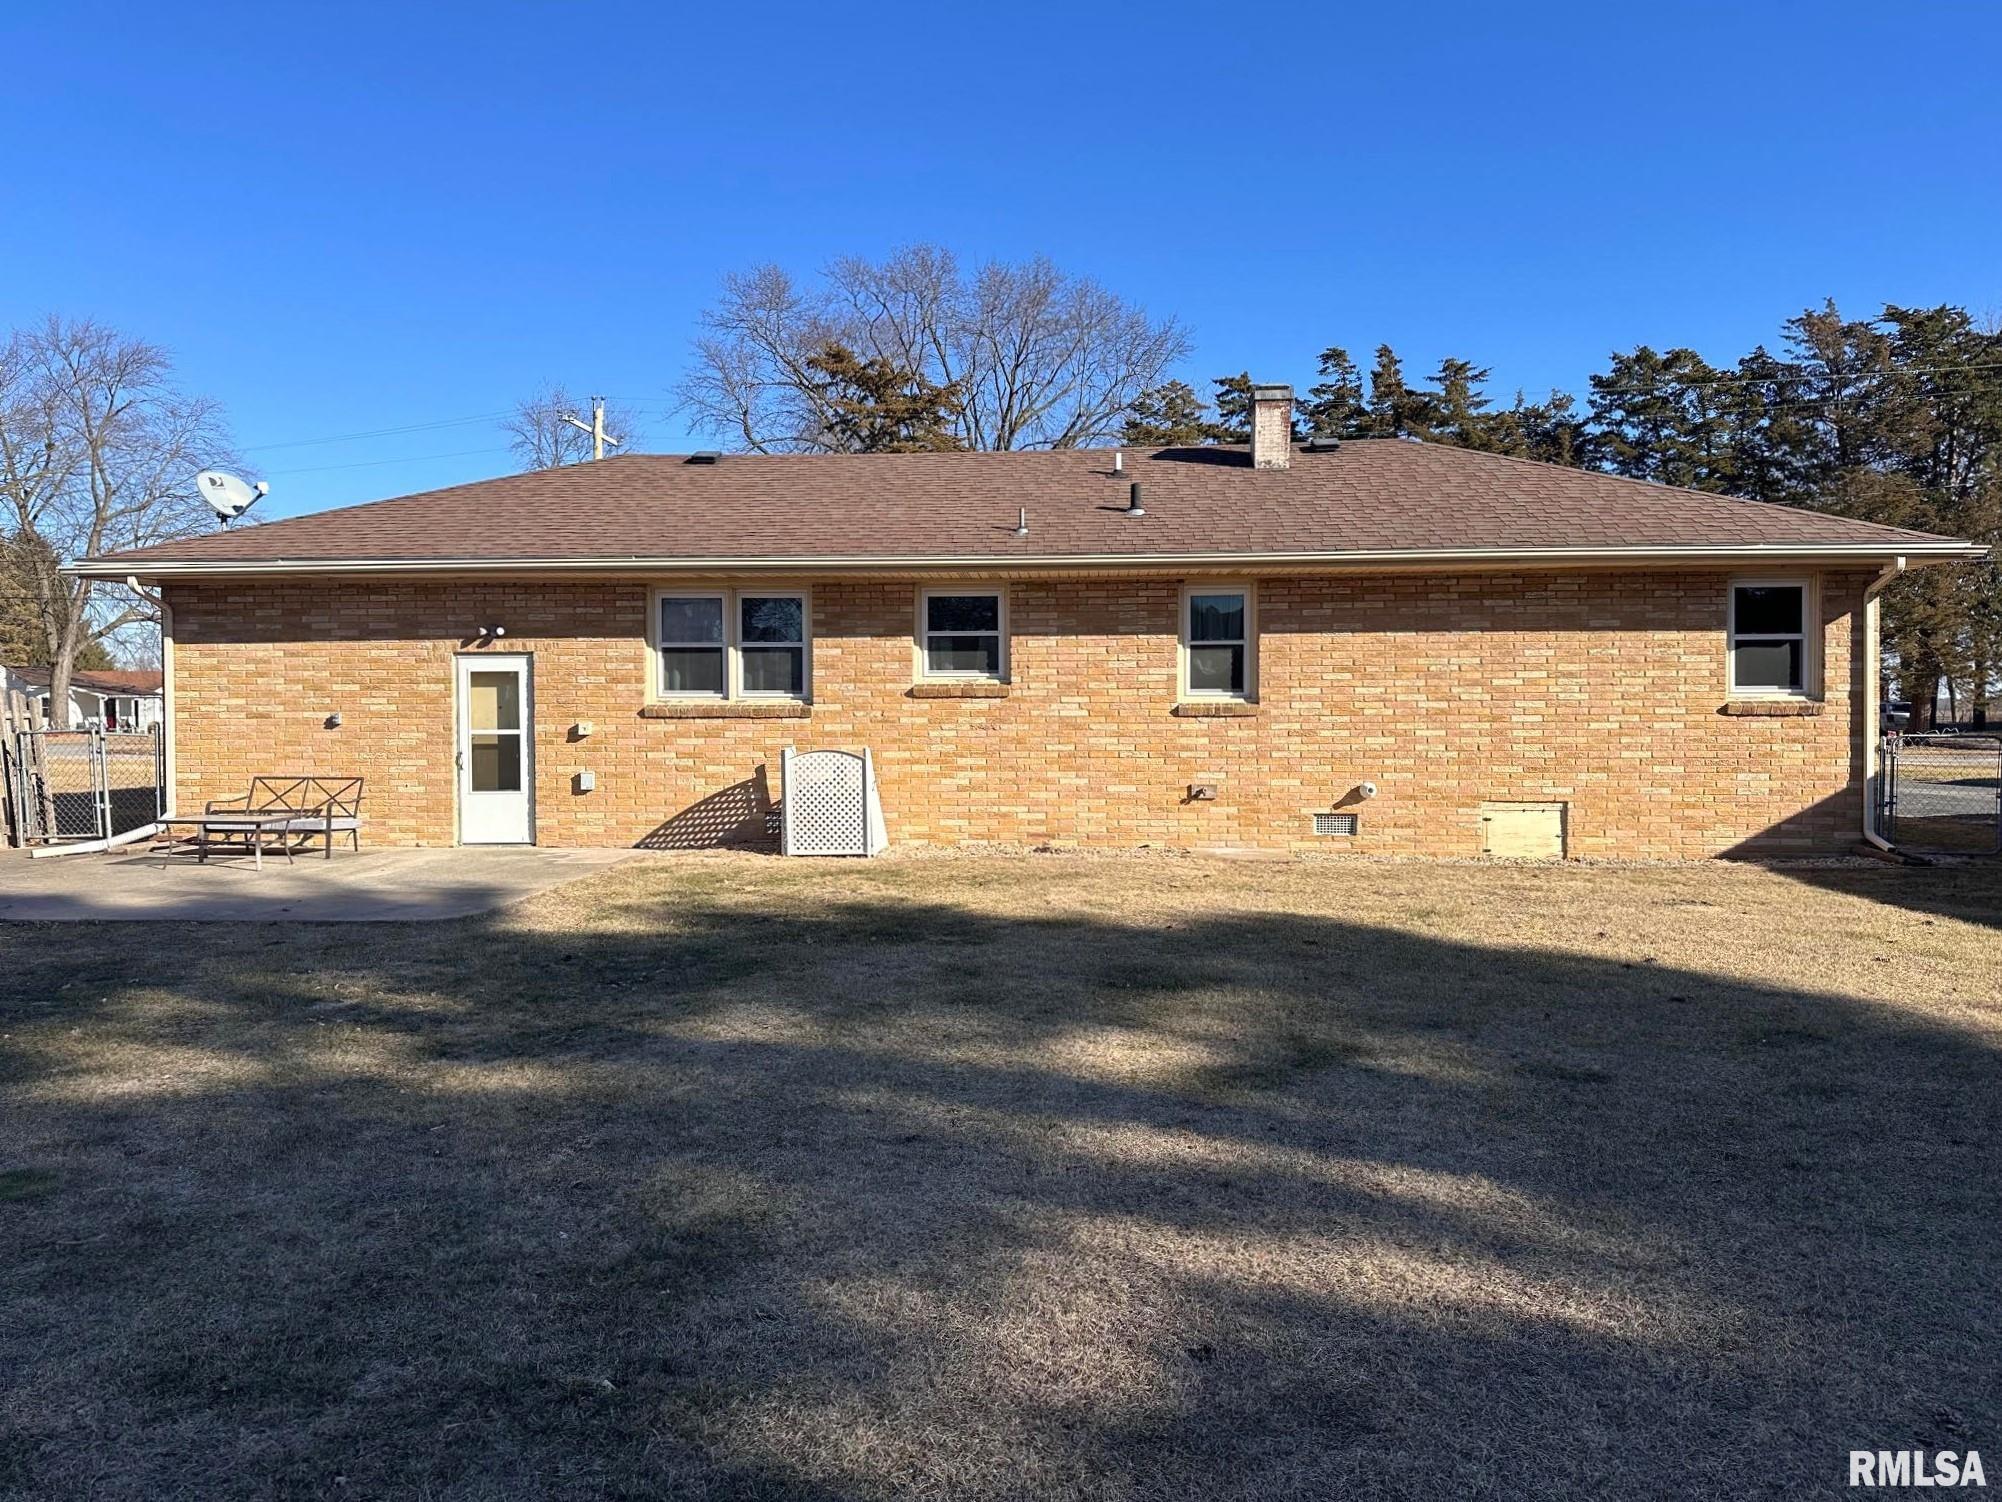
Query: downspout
x: 1873, y: 716
x: 166, y: 703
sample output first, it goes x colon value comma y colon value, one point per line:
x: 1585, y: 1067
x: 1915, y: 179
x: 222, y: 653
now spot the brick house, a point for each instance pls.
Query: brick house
x: 1380, y: 646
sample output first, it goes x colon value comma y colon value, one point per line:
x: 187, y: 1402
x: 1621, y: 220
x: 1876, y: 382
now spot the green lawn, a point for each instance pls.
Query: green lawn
x: 1041, y: 1177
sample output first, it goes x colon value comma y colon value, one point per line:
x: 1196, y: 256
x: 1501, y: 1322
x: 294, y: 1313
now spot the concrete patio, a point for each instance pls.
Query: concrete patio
x: 374, y: 886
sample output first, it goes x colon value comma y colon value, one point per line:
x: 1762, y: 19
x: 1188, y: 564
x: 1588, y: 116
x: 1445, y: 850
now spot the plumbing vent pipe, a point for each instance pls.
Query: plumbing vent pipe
x: 1133, y: 506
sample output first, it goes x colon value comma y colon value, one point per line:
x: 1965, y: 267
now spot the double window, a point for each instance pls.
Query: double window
x: 963, y: 633
x: 731, y: 644
x: 1769, y: 646
x: 1219, y: 642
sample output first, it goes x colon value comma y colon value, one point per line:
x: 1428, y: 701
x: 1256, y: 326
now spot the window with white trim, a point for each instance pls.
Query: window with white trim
x: 1218, y: 645
x: 1768, y: 638
x: 963, y: 633
x: 731, y: 644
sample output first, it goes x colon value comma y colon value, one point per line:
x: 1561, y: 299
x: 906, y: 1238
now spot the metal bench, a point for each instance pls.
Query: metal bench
x: 298, y: 809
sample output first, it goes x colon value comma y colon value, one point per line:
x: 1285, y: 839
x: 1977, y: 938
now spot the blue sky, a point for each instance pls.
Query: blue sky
x: 349, y: 218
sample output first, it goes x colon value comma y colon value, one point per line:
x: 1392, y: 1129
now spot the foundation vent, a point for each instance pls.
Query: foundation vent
x: 1336, y: 823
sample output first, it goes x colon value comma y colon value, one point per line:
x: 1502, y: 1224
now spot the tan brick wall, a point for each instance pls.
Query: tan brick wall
x: 1601, y: 691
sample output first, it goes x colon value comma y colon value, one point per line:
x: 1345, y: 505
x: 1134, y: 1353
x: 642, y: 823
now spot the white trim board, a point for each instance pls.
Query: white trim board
x: 1423, y: 559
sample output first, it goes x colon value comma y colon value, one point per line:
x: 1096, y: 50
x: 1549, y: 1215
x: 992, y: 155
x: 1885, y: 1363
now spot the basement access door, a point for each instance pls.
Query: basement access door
x: 1523, y: 831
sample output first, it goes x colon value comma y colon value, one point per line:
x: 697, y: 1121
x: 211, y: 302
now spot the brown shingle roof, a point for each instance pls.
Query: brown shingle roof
x: 100, y: 680
x: 1367, y: 497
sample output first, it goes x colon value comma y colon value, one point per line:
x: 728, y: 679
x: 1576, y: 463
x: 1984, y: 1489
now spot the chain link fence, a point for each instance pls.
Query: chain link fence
x: 1942, y: 793
x: 70, y: 785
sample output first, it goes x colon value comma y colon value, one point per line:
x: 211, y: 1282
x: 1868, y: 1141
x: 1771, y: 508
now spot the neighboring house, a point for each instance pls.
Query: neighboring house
x: 1518, y: 657
x: 112, y: 699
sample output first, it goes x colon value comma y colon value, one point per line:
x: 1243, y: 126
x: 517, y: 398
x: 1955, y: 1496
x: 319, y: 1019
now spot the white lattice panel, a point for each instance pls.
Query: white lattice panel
x: 826, y: 804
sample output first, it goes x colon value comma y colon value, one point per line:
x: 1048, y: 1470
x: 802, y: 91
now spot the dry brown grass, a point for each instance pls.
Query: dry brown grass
x: 1013, y: 1177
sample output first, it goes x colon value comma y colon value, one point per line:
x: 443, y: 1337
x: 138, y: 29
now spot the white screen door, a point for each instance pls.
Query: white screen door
x: 496, y: 752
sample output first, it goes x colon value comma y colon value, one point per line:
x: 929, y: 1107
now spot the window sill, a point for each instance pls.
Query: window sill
x: 971, y: 689
x: 1772, y: 709
x: 1214, y: 709
x: 728, y: 709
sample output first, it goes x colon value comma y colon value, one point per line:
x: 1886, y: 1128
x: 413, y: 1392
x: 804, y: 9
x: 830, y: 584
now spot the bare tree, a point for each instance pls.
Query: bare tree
x: 541, y: 439
x: 1038, y: 358
x: 98, y: 453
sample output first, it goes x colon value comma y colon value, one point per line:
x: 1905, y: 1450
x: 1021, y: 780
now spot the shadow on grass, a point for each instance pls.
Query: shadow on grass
x: 759, y: 1199
x: 1964, y: 888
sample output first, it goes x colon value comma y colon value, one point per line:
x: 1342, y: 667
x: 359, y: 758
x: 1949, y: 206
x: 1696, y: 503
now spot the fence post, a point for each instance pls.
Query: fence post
x: 13, y: 719
x: 45, y: 795
x: 101, y: 754
x: 10, y: 781
x: 1887, y: 789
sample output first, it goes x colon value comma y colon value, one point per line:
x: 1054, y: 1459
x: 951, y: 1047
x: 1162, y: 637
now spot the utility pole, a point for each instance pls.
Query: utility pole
x: 595, y: 427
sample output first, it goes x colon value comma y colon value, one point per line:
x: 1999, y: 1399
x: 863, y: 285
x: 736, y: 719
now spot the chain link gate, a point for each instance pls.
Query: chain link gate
x: 1942, y: 794
x: 65, y: 786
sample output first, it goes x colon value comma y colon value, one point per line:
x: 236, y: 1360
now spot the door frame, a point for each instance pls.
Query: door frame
x: 464, y: 664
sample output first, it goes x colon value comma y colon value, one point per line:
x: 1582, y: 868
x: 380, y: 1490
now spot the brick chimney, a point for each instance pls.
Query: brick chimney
x: 1271, y: 427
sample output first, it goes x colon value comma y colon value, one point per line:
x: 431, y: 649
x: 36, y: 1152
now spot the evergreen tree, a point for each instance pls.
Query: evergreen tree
x: 1394, y: 409
x: 1233, y: 409
x: 1766, y: 410
x: 1170, y: 414
x: 1655, y: 417
x: 24, y: 641
x: 1455, y: 410
x: 1335, y: 407
x: 875, y: 407
x: 1918, y: 397
x: 1549, y: 431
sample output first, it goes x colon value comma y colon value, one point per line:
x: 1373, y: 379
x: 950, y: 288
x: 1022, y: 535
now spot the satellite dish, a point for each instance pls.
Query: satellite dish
x: 228, y: 496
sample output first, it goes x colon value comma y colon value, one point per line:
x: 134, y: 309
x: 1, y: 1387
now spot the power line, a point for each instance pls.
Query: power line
x: 319, y: 469
x: 1669, y: 382
x: 413, y: 427
x: 1798, y: 372
x: 1666, y: 385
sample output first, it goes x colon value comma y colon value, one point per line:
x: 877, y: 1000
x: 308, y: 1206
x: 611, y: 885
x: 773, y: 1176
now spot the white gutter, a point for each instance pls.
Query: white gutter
x: 1873, y: 728
x: 1760, y: 553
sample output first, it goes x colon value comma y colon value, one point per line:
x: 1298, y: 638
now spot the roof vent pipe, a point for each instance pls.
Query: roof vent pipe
x: 1133, y: 506
x: 1118, y: 461
x: 1021, y: 521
